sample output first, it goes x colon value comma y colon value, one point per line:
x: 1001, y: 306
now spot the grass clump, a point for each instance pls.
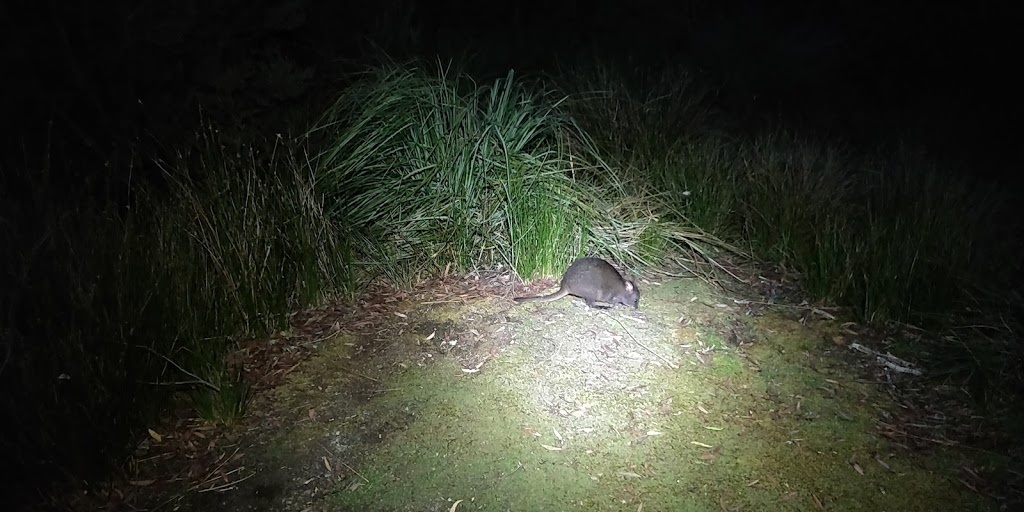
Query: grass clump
x: 110, y: 307
x: 893, y: 238
x: 430, y: 170
x: 891, y: 235
x: 656, y: 129
x: 251, y: 217
x: 246, y: 241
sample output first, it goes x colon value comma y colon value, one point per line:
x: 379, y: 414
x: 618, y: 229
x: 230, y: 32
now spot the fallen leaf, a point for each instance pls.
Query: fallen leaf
x: 156, y: 437
x: 141, y: 483
x: 456, y: 504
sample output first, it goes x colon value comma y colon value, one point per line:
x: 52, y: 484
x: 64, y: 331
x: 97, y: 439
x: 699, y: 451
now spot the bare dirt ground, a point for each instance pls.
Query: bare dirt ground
x: 451, y: 397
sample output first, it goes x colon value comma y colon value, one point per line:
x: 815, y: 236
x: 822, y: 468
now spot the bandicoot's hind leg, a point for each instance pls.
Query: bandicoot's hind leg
x: 592, y: 304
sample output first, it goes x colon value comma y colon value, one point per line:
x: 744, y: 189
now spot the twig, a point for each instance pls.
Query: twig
x: 888, y: 360
x: 206, y: 479
x: 229, y: 484
x: 743, y: 302
x: 198, y: 379
x: 714, y: 262
x: 210, y: 474
x: 176, y: 383
x: 332, y: 454
x: 357, y: 374
x: 326, y: 336
x: 659, y: 356
x: 7, y: 358
x: 354, y: 471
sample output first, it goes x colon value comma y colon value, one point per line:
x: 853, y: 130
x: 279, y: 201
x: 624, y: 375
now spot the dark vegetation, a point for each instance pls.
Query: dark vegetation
x: 175, y: 180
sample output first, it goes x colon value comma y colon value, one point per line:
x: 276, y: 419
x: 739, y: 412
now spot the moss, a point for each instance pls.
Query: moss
x: 573, y: 413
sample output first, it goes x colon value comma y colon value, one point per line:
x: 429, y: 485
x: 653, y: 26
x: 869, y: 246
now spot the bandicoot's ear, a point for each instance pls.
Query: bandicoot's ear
x: 629, y: 285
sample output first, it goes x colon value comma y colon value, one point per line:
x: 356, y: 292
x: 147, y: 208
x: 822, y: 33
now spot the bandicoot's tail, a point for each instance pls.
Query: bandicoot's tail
x: 562, y: 292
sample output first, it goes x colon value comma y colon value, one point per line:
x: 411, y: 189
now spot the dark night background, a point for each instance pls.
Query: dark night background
x: 91, y: 86
x: 940, y: 75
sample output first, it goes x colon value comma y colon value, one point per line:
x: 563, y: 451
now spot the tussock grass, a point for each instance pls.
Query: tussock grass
x: 72, y: 273
x: 891, y: 235
x: 244, y: 241
x: 251, y: 219
x: 108, y: 310
x: 429, y: 170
